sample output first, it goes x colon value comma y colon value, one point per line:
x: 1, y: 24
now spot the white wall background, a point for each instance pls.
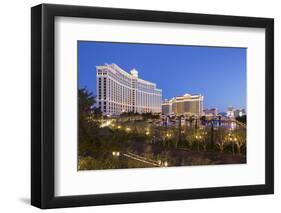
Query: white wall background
x: 15, y: 105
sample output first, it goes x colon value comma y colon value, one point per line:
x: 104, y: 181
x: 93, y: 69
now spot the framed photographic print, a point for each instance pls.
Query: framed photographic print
x: 139, y: 106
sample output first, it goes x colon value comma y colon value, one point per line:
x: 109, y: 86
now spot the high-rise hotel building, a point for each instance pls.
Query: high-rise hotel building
x: 119, y: 91
x: 183, y: 105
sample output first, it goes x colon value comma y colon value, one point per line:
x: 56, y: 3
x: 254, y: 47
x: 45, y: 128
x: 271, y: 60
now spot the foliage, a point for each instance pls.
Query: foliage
x: 240, y: 135
x: 242, y: 119
x: 150, y: 115
x: 221, y: 140
x: 108, y: 162
x: 100, y: 136
x: 128, y: 114
x: 191, y: 136
x: 88, y: 122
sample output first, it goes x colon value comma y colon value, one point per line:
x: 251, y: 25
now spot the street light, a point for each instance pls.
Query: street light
x: 198, y: 138
x: 114, y: 153
x: 159, y: 162
x: 232, y: 141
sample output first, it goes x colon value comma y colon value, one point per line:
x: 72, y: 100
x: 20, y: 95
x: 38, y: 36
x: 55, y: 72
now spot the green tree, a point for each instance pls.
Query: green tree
x: 191, y: 137
x: 221, y: 141
x: 88, y: 121
x: 242, y: 119
x: 240, y: 139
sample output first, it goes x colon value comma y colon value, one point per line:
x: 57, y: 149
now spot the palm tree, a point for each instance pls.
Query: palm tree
x: 191, y: 119
x: 219, y: 116
x: 240, y: 139
x: 221, y: 139
x: 179, y: 133
x: 212, y: 133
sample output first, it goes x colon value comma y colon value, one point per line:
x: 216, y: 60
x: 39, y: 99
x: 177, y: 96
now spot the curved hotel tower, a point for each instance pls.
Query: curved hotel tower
x: 119, y: 91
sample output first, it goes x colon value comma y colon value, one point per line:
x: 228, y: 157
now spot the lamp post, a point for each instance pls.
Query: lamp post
x: 198, y: 139
x: 179, y: 133
x: 232, y: 145
x: 234, y: 141
x: 212, y: 134
x: 204, y: 141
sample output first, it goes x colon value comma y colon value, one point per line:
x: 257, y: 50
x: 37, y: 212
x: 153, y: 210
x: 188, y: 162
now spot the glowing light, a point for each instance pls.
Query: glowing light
x: 165, y: 163
x: 119, y: 127
x: 232, y: 125
x: 168, y: 135
x: 128, y: 129
x: 105, y: 124
x: 114, y: 153
x: 147, y: 133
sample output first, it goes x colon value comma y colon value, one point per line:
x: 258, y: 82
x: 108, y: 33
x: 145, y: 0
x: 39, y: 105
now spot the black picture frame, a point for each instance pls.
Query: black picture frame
x: 43, y: 117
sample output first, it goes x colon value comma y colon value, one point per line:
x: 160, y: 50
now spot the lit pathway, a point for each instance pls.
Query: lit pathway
x: 141, y: 159
x: 241, y: 124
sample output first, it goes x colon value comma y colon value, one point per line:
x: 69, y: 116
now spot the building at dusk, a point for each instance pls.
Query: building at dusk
x: 233, y: 112
x: 230, y: 112
x: 239, y: 112
x: 183, y: 105
x: 119, y: 91
x: 210, y: 112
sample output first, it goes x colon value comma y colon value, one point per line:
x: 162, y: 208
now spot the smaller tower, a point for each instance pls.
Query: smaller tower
x: 134, y: 72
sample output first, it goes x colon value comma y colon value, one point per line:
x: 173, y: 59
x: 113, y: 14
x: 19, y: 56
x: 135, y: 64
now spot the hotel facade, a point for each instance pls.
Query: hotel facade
x: 183, y: 105
x: 119, y: 91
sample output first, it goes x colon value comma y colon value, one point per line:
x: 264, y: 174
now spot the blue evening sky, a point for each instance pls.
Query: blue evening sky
x: 218, y: 73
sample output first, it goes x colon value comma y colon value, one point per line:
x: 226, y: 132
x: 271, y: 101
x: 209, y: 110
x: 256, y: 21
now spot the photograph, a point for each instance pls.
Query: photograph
x: 139, y: 105
x: 160, y: 105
